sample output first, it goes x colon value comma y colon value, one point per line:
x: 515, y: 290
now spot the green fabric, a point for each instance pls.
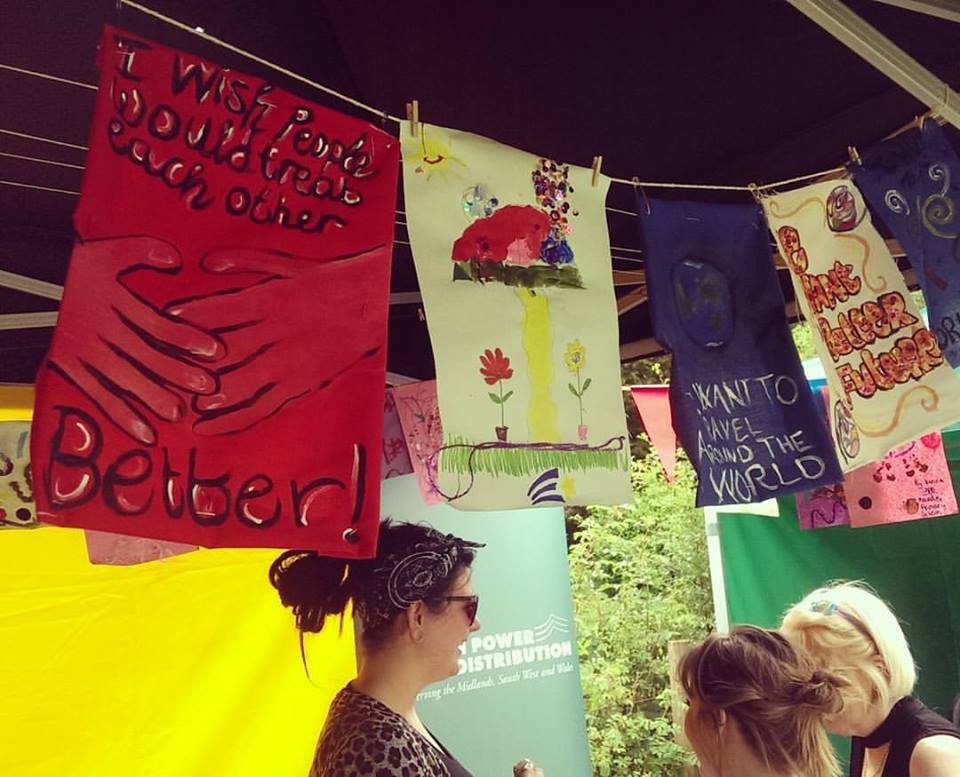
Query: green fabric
x: 770, y: 563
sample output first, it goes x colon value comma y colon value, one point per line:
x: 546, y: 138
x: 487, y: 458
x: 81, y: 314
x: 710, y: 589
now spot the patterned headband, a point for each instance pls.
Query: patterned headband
x: 401, y: 579
x: 831, y: 608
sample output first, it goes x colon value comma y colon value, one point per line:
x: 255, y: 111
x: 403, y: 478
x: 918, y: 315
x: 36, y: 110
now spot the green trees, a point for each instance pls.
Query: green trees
x: 640, y: 579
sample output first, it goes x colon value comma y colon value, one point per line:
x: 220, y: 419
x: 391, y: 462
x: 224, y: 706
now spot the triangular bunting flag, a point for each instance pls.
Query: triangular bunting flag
x: 653, y: 405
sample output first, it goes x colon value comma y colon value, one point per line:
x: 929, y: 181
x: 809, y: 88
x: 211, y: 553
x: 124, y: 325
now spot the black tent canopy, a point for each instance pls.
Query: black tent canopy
x: 717, y: 93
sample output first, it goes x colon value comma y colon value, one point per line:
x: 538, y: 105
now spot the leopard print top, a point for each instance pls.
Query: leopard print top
x: 364, y: 738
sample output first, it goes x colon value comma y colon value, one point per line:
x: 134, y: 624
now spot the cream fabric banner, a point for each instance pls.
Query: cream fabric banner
x: 513, y: 260
x: 889, y: 382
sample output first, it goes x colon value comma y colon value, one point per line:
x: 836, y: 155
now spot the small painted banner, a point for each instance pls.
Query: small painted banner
x: 513, y: 260
x: 912, y: 182
x: 889, y: 381
x: 742, y: 409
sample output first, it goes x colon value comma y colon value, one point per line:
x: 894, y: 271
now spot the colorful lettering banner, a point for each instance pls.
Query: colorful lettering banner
x: 741, y: 406
x: 17, y: 509
x: 513, y: 260
x: 889, y: 382
x: 912, y: 182
x: 217, y: 372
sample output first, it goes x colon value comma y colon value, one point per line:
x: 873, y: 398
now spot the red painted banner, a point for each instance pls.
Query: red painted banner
x: 217, y: 372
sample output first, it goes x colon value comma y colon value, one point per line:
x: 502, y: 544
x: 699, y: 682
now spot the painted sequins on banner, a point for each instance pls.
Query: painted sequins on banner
x: 912, y: 183
x: 889, y: 382
x: 217, y: 371
x: 741, y: 406
x: 513, y: 260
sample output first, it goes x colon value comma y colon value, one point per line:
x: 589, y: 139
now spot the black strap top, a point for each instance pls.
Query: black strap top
x: 908, y: 722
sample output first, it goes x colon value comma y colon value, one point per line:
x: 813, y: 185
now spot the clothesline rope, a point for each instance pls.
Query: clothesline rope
x: 198, y: 32
x: 671, y: 185
x: 799, y: 178
x: 22, y: 185
x: 383, y: 114
x: 40, y: 138
x: 260, y: 60
x: 41, y: 161
x: 47, y: 76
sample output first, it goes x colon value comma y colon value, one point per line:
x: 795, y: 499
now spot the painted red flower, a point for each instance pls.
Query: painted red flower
x: 494, y: 238
x: 494, y: 366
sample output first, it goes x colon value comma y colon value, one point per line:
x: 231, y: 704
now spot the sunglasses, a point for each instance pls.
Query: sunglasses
x: 473, y: 602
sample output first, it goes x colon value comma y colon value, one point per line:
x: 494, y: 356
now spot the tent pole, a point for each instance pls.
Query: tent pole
x: 942, y: 9
x: 847, y: 27
x: 717, y: 583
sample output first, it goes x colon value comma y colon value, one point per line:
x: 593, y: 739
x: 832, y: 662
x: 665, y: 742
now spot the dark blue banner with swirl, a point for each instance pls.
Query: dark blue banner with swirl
x: 912, y: 183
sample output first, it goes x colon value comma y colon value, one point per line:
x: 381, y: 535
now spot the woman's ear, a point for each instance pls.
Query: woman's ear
x: 415, y: 620
x: 881, y: 665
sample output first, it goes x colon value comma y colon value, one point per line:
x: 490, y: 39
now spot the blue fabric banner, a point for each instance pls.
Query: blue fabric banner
x: 912, y: 183
x: 742, y: 408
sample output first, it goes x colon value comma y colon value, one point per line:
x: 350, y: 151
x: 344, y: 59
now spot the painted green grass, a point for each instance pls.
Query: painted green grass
x: 525, y: 461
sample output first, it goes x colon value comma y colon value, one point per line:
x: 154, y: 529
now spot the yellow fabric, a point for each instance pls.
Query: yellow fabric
x: 185, y: 666
x: 16, y: 403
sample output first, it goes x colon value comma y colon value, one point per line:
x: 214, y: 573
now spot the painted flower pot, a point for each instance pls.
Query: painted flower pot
x: 582, y: 432
x: 502, y: 433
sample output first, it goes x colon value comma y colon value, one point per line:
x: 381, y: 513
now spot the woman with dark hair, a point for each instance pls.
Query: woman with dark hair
x: 413, y: 604
x: 756, y: 707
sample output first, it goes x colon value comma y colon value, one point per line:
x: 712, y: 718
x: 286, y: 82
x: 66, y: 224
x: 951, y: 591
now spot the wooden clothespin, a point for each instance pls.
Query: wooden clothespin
x: 755, y: 191
x: 854, y: 155
x: 597, y: 161
x: 637, y: 187
x: 421, y: 315
x: 413, y: 116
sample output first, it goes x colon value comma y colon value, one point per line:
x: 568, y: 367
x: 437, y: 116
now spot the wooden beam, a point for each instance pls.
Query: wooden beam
x: 28, y: 320
x: 631, y: 300
x: 628, y: 277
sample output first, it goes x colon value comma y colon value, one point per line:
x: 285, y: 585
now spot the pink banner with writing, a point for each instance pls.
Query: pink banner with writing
x: 909, y: 483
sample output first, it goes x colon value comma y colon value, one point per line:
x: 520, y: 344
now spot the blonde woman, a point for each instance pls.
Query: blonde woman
x: 756, y: 707
x: 851, y: 632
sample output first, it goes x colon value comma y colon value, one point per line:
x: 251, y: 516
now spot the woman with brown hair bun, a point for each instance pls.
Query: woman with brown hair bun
x: 414, y: 604
x: 756, y: 707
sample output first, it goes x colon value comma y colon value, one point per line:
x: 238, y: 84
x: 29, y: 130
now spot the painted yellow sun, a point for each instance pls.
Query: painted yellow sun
x: 568, y: 487
x: 430, y: 153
